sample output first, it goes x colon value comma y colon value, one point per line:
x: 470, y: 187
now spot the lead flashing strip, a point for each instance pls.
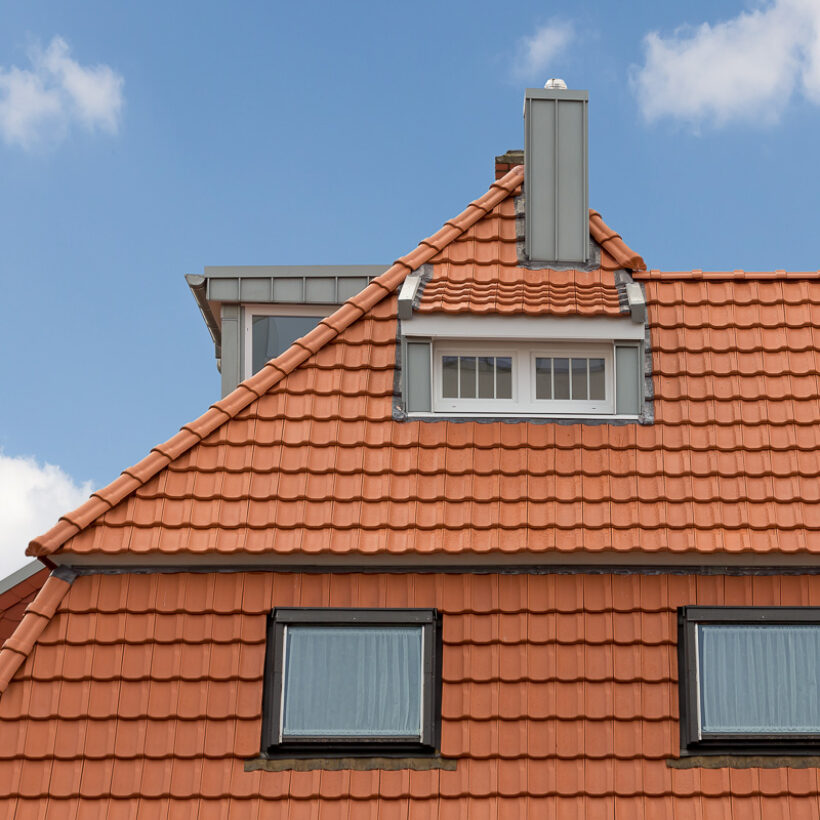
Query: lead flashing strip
x: 744, y: 762
x: 740, y: 569
x: 359, y: 764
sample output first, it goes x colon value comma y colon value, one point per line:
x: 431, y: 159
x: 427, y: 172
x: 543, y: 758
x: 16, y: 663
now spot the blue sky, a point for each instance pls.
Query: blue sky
x: 159, y: 138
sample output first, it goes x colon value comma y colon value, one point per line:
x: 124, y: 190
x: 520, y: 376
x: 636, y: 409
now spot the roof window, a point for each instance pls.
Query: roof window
x: 749, y: 679
x: 352, y: 681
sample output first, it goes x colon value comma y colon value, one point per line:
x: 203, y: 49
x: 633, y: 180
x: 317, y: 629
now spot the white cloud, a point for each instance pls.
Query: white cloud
x: 38, y: 104
x: 32, y: 497
x: 743, y: 69
x: 536, y: 55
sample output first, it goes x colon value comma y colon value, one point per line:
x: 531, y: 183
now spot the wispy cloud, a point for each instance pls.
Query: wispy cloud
x: 536, y: 55
x: 32, y: 497
x: 38, y: 104
x: 743, y: 69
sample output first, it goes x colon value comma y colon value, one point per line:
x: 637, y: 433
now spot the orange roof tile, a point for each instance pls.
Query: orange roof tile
x: 144, y: 693
x: 479, y: 273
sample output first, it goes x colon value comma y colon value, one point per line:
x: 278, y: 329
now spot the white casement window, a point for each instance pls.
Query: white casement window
x: 271, y: 329
x: 523, y: 378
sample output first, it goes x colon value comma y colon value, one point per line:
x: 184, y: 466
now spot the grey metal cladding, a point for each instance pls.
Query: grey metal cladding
x: 556, y: 175
x: 288, y: 289
x: 628, y: 378
x: 321, y: 290
x: 418, y: 399
x: 231, y: 348
x: 293, y: 284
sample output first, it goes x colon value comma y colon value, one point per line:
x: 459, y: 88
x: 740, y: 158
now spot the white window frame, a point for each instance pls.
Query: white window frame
x: 523, y: 401
x: 318, y: 312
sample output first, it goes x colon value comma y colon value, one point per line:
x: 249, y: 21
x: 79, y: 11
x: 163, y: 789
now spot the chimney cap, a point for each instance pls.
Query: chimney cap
x: 555, y: 82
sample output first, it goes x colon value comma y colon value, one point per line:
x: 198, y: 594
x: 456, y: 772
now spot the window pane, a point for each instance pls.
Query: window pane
x: 597, y: 380
x: 273, y: 335
x: 352, y: 681
x: 503, y: 377
x: 759, y: 679
x: 468, y: 373
x: 560, y: 374
x: 449, y: 377
x: 579, y: 379
x: 543, y: 378
x: 486, y: 377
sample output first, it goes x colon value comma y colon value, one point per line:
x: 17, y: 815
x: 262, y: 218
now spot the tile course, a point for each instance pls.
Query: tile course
x: 558, y: 691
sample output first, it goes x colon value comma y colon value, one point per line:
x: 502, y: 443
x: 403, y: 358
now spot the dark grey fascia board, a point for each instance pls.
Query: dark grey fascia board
x: 584, y: 562
x: 20, y: 575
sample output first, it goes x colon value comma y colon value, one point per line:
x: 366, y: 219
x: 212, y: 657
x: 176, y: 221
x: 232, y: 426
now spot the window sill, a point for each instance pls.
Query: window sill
x: 361, y: 764
x: 741, y: 761
x: 613, y: 419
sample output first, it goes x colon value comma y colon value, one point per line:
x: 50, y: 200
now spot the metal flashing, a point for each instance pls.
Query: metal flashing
x: 606, y: 563
x: 356, y: 764
x: 407, y: 294
x: 637, y: 302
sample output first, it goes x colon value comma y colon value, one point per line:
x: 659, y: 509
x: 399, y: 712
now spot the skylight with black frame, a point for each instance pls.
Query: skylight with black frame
x: 749, y: 679
x: 352, y: 681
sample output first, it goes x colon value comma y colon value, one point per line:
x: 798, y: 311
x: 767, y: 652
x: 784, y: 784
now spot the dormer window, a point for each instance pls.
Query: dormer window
x: 544, y: 367
x: 271, y: 329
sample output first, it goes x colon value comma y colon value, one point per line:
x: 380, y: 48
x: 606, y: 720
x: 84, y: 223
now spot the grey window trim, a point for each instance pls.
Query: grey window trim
x: 279, y: 618
x: 693, y: 740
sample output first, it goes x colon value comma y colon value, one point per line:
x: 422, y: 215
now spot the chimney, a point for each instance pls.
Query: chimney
x: 555, y: 176
x: 506, y: 162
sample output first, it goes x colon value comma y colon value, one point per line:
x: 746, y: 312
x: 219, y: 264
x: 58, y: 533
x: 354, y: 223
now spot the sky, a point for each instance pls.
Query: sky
x: 142, y: 141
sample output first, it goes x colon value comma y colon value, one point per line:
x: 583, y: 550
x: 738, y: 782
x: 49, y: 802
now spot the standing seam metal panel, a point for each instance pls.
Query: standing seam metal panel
x: 556, y: 175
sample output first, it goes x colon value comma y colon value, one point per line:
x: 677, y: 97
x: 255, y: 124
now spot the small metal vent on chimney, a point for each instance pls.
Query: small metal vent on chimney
x: 555, y: 174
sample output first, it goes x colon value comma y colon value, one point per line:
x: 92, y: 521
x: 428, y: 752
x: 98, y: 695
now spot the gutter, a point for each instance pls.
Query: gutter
x: 198, y: 285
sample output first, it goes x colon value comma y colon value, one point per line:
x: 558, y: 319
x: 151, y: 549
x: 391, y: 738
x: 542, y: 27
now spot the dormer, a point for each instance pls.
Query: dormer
x: 255, y: 312
x: 531, y: 313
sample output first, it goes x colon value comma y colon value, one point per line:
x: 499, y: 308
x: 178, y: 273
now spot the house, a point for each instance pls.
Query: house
x: 521, y: 530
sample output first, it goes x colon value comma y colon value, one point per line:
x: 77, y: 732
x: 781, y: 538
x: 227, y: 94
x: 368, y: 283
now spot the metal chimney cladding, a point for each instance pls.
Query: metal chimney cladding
x: 556, y: 174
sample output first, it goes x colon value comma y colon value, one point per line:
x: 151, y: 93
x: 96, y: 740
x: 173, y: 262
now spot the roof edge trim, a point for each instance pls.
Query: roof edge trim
x: 274, y: 371
x: 38, y: 615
